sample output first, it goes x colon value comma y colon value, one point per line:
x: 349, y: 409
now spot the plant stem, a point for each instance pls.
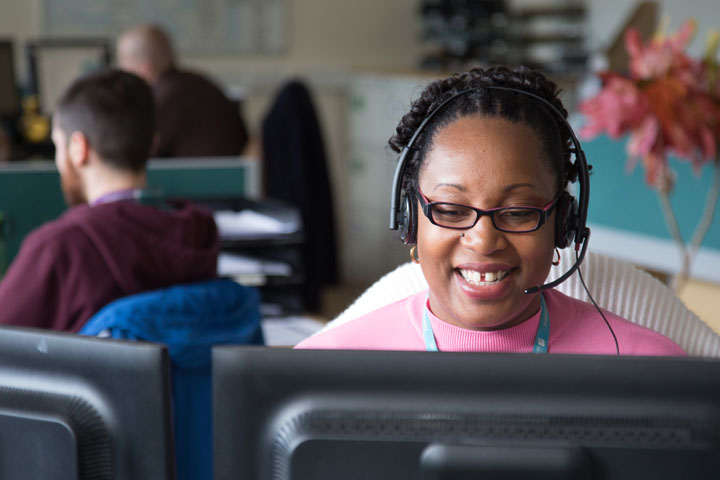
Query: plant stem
x: 671, y: 221
x: 708, y: 212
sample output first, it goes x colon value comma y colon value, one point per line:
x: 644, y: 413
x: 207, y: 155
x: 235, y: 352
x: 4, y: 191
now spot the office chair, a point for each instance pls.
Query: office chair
x: 189, y: 319
x: 615, y: 285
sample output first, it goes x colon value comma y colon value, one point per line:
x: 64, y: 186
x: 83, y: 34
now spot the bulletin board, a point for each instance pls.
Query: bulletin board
x: 196, y: 26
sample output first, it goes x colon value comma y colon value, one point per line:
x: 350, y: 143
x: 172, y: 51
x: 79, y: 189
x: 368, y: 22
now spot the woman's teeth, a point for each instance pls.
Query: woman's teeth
x: 483, y: 278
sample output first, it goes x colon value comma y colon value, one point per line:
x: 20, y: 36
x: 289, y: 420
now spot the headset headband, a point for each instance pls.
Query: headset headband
x: 582, y: 233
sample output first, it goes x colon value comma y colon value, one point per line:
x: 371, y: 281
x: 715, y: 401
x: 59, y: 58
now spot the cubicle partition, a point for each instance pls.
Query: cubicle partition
x: 30, y: 192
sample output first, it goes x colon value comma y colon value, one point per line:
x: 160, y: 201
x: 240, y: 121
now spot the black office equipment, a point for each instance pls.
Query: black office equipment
x: 289, y: 414
x: 9, y: 91
x: 10, y: 106
x: 80, y: 408
x: 548, y: 36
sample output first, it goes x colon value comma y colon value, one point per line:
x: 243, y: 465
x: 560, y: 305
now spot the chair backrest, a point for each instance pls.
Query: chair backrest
x: 189, y: 319
x: 616, y: 286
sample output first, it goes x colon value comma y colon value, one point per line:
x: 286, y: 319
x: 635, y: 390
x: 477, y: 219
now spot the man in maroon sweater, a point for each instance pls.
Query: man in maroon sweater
x: 194, y: 117
x: 118, y: 238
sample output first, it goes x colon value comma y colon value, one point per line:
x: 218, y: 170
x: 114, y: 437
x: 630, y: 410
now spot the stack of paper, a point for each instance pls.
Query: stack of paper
x: 251, y: 224
x: 235, y: 264
x: 289, y: 331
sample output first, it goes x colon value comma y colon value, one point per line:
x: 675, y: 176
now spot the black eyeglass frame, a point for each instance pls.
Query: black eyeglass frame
x: 543, y: 213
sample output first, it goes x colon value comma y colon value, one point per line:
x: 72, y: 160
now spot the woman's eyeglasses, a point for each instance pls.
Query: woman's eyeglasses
x: 505, y: 219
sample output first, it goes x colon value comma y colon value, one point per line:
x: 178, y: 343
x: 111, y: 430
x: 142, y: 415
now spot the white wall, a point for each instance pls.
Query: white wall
x: 607, y: 16
x: 322, y: 34
x: 19, y: 21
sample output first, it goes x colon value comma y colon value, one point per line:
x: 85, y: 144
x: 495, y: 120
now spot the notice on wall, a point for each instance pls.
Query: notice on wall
x: 196, y: 26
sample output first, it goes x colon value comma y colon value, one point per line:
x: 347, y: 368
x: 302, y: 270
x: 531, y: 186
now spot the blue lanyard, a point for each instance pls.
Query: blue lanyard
x: 541, y: 337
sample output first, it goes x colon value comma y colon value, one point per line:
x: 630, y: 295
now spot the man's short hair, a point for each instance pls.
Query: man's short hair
x: 115, y: 111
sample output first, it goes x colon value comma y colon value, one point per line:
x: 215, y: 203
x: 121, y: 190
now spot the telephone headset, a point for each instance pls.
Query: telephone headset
x: 571, y: 214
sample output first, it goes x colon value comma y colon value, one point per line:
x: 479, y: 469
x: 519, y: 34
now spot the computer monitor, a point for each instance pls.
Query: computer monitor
x: 81, y: 408
x: 312, y: 414
x: 9, y: 91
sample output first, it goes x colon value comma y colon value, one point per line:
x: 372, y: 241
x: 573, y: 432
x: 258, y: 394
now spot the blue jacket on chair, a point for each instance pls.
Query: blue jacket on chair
x: 189, y: 319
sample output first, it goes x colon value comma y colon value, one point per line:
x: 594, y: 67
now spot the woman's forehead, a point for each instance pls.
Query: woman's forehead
x: 488, y: 158
x: 486, y: 144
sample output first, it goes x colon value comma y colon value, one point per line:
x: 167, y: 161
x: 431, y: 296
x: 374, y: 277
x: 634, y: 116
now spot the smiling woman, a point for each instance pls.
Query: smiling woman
x: 478, y: 161
x: 484, y: 168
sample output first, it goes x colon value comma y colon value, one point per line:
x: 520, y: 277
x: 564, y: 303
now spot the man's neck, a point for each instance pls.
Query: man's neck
x: 103, y: 185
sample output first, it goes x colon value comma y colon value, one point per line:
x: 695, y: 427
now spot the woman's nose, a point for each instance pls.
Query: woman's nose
x: 484, y: 237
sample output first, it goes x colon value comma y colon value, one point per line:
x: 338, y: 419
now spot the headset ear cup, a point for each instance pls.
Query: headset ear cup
x: 408, y: 223
x: 566, y: 219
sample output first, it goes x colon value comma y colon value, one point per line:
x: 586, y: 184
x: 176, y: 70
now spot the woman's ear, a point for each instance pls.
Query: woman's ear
x: 78, y: 149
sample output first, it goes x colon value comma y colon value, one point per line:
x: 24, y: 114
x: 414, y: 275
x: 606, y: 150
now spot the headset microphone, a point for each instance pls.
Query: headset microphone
x: 566, y: 275
x: 571, y: 214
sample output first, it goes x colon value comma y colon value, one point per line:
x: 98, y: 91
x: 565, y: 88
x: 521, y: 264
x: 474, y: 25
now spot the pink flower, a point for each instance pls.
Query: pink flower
x: 659, y: 56
x: 644, y: 139
x: 603, y: 111
x: 667, y: 104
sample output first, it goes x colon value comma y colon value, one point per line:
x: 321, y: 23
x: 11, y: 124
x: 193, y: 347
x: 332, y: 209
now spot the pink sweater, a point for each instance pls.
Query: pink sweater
x: 575, y: 327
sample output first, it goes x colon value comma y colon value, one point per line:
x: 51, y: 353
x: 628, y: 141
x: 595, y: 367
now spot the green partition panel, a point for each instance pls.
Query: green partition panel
x: 621, y: 199
x: 28, y: 197
x: 30, y: 192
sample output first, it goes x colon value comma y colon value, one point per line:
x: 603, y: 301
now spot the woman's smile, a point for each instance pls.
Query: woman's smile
x: 487, y: 286
x: 483, y: 279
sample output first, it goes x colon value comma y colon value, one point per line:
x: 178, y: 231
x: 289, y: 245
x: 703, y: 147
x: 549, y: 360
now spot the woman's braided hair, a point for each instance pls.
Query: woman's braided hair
x: 509, y: 105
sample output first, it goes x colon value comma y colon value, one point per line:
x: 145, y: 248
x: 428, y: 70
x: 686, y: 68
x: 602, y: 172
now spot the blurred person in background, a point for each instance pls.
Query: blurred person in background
x: 194, y: 117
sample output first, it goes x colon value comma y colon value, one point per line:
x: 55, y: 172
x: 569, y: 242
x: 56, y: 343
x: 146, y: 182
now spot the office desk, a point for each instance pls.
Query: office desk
x: 30, y: 192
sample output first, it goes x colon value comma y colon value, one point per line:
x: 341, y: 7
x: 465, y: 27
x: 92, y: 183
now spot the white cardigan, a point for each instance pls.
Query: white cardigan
x: 615, y: 285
